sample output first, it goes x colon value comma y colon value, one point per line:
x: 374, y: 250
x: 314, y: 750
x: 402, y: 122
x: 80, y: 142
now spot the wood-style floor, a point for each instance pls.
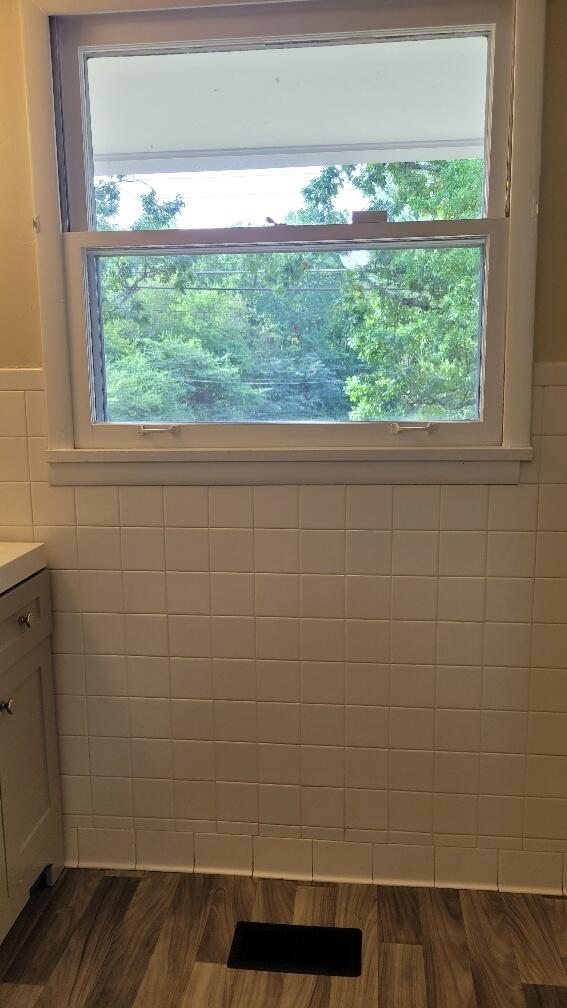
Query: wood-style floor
x: 153, y: 940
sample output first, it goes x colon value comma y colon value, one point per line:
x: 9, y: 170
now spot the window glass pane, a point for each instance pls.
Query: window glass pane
x: 297, y: 134
x: 331, y: 335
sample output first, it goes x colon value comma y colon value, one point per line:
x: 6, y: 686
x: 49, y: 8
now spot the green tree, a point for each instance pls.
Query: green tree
x: 297, y: 336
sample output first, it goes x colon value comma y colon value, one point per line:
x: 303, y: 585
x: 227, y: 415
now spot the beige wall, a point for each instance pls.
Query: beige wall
x: 551, y: 307
x: 19, y: 317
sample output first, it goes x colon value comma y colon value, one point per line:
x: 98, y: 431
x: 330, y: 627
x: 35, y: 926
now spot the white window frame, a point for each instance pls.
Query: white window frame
x: 82, y: 452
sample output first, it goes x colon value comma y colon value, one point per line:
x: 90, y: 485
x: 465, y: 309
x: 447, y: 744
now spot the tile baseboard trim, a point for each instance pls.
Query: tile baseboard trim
x: 550, y: 373
x: 21, y: 379
x: 523, y: 871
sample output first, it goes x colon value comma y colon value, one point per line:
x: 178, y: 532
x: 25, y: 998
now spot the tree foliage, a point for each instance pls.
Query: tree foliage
x: 296, y: 336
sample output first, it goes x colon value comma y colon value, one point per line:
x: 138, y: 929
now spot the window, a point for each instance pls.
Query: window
x: 287, y: 226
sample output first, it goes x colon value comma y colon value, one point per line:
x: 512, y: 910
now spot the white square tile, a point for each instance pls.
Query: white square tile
x: 278, y: 681
x: 99, y: 548
x: 367, y: 597
x: 142, y: 506
x: 322, y: 507
x: 414, y: 598
x: 106, y: 675
x: 108, y: 716
x: 191, y: 678
x: 189, y: 636
x: 234, y: 679
x: 413, y: 642
x: 277, y: 594
x: 509, y: 600
x: 100, y: 591
x: 231, y: 594
x: 232, y: 549
x: 369, y: 507
x: 511, y: 554
x: 368, y: 552
x: 322, y: 806
x: 230, y: 507
x: 144, y: 591
x: 152, y: 758
x: 412, y: 728
x: 464, y: 508
x: 322, y: 765
x: 322, y: 595
x: 187, y: 549
x: 413, y: 686
x: 186, y: 506
x: 459, y: 687
x: 367, y: 641
x: 97, y: 506
x: 416, y: 507
x: 415, y: 553
x: 461, y: 598
x: 146, y: 635
x: 188, y: 593
x: 367, y: 683
x: 148, y: 676
x: 15, y: 504
x: 462, y: 554
x: 60, y: 545
x: 276, y: 507
x: 276, y: 551
x: 65, y: 593
x: 103, y: 633
x: 143, y: 548
x: 322, y: 639
x: 322, y: 682
x: 110, y: 757
x: 192, y: 719
x: 322, y: 552
x: 276, y: 638
x: 36, y: 413
x: 513, y: 508
x: 13, y: 414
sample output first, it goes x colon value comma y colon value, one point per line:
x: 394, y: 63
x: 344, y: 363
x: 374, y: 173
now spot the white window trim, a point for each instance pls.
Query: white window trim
x: 262, y: 463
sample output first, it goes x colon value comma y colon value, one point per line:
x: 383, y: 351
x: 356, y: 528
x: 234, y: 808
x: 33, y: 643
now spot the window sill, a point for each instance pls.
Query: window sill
x: 82, y: 466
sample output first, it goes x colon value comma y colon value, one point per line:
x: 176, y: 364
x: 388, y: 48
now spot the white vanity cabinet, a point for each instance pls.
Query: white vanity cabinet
x: 30, y: 807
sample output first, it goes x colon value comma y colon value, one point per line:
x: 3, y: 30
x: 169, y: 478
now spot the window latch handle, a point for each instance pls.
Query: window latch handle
x: 425, y: 428
x: 158, y: 428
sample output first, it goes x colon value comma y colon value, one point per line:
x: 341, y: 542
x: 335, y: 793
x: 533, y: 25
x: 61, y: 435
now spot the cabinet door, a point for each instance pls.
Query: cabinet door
x: 29, y: 780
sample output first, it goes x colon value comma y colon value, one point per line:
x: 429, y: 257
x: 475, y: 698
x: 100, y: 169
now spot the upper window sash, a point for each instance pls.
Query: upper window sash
x: 306, y: 23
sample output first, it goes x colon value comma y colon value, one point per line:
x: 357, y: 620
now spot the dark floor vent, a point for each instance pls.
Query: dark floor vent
x: 296, y: 948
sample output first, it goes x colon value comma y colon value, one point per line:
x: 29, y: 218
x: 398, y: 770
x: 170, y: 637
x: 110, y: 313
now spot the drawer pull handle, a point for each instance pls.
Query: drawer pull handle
x: 7, y: 706
x: 26, y: 620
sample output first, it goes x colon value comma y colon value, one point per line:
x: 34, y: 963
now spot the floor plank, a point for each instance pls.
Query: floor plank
x: 556, y: 913
x: 274, y: 901
x: 75, y: 974
x: 314, y: 905
x: 208, y: 988
x: 398, y: 915
x: 175, y: 952
x: 447, y: 963
x: 19, y: 995
x: 42, y: 946
x: 495, y: 970
x: 356, y: 907
x: 401, y: 977
x: 232, y: 901
x: 120, y: 976
x: 545, y: 997
x: 537, y: 955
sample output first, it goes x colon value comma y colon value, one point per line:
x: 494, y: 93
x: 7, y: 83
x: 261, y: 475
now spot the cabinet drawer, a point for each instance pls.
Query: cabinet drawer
x: 25, y: 618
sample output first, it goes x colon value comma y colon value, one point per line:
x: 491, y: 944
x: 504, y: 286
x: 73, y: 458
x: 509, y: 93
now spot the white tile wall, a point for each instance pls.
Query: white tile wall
x: 361, y: 682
